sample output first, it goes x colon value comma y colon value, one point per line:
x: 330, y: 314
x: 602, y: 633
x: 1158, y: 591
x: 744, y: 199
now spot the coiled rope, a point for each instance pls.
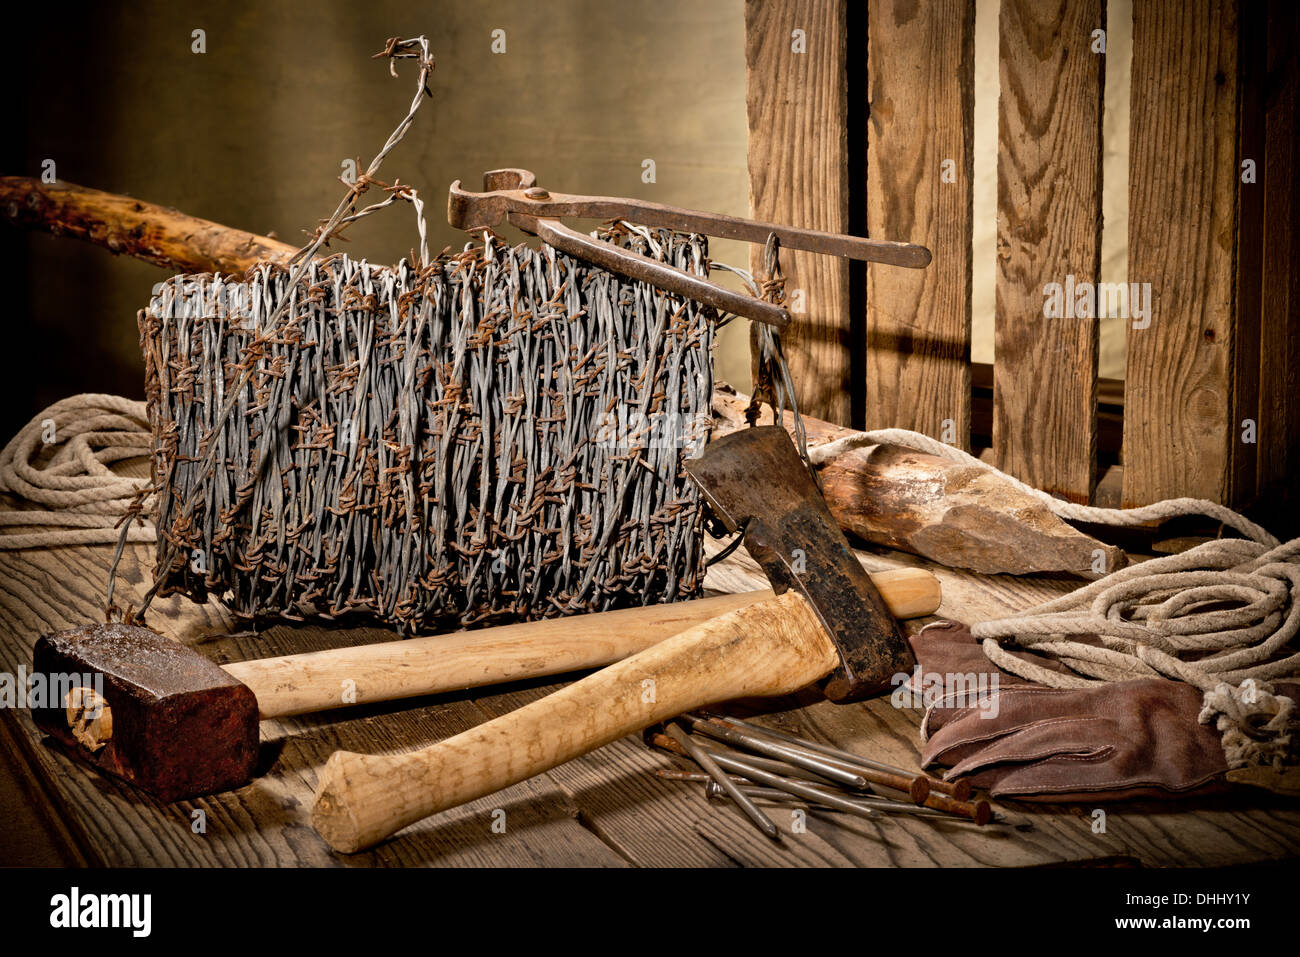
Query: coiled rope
x: 1220, y: 612
x: 60, y: 460
x: 1220, y: 616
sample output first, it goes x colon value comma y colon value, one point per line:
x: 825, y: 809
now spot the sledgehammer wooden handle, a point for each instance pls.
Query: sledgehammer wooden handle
x: 305, y: 683
x: 771, y: 647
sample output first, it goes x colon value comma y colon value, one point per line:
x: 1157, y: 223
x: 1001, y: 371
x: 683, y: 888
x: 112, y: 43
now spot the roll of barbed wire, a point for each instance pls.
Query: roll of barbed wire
x: 498, y: 435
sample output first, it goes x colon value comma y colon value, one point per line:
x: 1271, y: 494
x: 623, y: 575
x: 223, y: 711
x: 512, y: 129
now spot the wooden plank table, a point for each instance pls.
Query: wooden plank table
x: 607, y: 809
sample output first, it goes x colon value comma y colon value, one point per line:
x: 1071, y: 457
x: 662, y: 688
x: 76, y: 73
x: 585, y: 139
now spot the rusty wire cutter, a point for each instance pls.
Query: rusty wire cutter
x: 513, y: 195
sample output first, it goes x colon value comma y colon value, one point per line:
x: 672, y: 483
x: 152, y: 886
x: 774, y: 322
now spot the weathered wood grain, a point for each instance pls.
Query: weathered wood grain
x: 1246, y: 357
x: 1182, y: 222
x: 889, y: 734
x: 1049, y: 229
x: 265, y: 822
x: 30, y: 832
x: 661, y: 823
x: 535, y: 823
x: 798, y: 174
x: 364, y: 798
x: 1157, y: 834
x: 604, y: 809
x: 1279, y: 388
x: 920, y: 188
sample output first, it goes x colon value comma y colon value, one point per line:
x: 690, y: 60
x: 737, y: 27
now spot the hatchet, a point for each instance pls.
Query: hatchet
x: 827, y: 623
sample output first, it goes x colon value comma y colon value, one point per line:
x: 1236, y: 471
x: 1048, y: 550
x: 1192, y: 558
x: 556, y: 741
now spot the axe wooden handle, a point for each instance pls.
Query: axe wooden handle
x: 388, y: 671
x: 768, y: 648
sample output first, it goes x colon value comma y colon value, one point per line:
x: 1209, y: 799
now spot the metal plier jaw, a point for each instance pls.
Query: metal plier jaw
x: 513, y: 196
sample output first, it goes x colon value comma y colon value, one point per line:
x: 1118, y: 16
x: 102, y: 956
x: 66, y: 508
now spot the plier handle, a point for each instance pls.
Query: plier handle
x: 513, y: 196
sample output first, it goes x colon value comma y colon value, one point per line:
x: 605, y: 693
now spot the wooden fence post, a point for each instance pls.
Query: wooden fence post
x: 919, y: 188
x: 1049, y: 244
x: 1183, y: 178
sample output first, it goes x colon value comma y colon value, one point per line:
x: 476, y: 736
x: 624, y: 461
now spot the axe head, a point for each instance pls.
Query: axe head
x: 755, y: 480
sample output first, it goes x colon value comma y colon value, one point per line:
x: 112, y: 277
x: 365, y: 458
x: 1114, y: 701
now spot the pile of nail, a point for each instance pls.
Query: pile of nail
x: 748, y: 764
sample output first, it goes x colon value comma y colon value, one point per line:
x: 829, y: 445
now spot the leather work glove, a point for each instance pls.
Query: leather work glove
x: 1023, y: 740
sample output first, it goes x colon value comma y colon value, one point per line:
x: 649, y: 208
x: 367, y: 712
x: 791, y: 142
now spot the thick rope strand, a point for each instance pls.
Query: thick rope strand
x: 60, y: 461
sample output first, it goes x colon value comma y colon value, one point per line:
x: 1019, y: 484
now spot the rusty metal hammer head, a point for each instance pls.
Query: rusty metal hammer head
x: 162, y: 717
x: 755, y: 481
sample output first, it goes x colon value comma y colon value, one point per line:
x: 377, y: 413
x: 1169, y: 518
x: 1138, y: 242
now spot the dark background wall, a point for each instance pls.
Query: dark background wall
x: 253, y: 132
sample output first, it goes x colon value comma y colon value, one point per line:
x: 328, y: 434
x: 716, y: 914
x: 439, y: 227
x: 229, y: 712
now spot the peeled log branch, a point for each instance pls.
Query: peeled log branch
x: 132, y: 227
x: 962, y: 516
x: 953, y: 514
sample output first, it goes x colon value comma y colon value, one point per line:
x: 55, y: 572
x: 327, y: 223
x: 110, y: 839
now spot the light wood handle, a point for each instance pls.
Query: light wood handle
x: 768, y: 648
x: 391, y: 670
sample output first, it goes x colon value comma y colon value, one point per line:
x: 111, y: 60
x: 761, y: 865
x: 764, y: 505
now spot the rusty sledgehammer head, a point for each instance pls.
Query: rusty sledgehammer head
x: 162, y: 716
x: 754, y: 480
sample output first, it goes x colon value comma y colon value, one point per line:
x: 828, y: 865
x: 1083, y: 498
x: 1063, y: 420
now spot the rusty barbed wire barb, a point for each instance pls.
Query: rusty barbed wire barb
x: 471, y: 477
x: 395, y: 48
x: 416, y: 442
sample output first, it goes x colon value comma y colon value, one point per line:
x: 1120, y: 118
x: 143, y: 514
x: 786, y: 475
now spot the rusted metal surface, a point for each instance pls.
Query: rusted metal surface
x: 754, y: 480
x: 556, y: 234
x: 512, y: 195
x: 499, y: 435
x: 181, y: 725
x: 719, y: 777
x: 771, y: 779
x: 960, y: 789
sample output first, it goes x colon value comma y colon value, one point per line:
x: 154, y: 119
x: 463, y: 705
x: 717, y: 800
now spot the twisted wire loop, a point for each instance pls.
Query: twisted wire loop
x: 773, y: 383
x: 497, y: 435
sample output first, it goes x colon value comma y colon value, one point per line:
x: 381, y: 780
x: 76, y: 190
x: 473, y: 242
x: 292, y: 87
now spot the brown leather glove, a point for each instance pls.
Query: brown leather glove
x: 1023, y: 740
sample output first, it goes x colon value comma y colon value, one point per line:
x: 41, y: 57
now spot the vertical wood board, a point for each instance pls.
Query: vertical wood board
x: 1279, y: 388
x: 798, y: 175
x: 1049, y: 244
x: 919, y: 188
x: 1182, y: 226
